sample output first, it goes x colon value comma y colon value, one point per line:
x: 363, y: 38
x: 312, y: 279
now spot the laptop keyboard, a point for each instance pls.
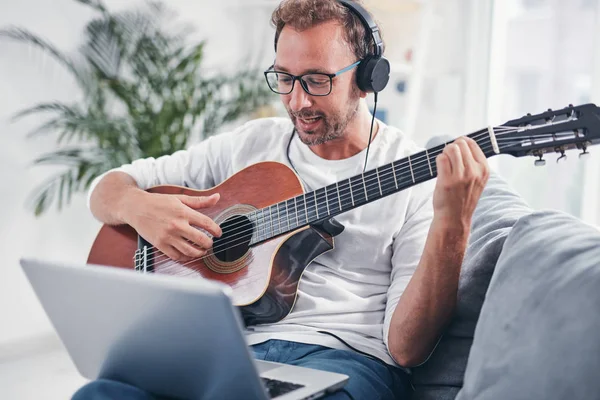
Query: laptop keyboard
x: 277, y: 388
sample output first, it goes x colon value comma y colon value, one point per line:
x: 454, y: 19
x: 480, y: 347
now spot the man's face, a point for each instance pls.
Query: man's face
x: 318, y: 49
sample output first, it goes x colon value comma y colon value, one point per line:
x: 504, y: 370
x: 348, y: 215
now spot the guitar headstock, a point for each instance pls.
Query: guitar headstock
x: 553, y: 131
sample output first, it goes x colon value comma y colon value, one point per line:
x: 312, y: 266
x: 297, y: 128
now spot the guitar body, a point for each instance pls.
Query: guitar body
x: 264, y: 278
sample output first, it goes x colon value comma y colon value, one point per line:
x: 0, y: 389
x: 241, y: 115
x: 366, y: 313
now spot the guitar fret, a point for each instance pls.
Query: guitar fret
x: 296, y: 208
x: 373, y: 188
x: 365, y: 187
x: 300, y: 212
x: 267, y: 224
x: 394, y: 173
x: 271, y: 232
x: 379, y: 181
x: 411, y: 169
x: 287, y: 215
x: 322, y: 203
x: 387, y: 184
x: 278, y: 220
x: 280, y: 217
x: 351, y: 192
x: 316, y: 204
x: 335, y: 204
x: 344, y: 194
x: 429, y: 162
x: 263, y: 224
x: 305, y: 209
x: 258, y: 225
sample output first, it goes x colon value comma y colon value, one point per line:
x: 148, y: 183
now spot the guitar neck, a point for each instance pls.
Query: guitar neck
x: 340, y: 197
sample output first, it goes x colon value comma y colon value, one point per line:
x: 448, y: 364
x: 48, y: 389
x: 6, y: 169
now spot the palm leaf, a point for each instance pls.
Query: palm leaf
x: 70, y: 122
x: 45, y: 107
x: 144, y: 93
x: 102, y: 49
x: 95, y: 4
x: 82, y: 166
x: 23, y: 35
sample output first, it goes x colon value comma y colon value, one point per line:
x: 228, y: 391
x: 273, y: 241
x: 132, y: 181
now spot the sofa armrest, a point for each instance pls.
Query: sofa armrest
x: 537, y: 335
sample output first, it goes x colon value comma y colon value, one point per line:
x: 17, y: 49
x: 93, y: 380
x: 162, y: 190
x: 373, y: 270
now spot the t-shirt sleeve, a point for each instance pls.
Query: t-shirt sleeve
x: 408, y: 245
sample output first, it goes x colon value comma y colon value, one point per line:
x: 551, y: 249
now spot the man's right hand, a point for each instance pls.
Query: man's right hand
x: 171, y: 222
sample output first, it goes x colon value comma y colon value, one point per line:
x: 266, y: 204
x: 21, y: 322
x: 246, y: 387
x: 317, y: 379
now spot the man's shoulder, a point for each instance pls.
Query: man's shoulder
x: 398, y: 141
x: 261, y: 132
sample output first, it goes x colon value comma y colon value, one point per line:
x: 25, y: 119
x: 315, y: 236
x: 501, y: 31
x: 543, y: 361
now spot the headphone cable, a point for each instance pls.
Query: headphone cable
x: 371, y: 133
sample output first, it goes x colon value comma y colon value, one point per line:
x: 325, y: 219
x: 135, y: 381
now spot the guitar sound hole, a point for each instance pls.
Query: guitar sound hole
x: 235, y: 240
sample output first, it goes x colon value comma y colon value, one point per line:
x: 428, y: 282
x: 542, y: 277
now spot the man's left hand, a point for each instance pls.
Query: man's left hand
x: 463, y: 172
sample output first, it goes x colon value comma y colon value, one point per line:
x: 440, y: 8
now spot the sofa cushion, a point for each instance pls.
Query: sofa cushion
x: 537, y: 337
x: 499, y: 208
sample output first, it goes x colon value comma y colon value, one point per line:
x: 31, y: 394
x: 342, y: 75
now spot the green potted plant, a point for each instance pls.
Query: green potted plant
x: 144, y: 95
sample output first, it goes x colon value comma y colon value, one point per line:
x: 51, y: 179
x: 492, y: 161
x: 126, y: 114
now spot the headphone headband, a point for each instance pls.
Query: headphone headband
x: 367, y: 21
x: 373, y: 72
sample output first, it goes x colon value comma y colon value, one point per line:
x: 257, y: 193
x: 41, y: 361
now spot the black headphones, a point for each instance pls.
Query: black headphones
x: 373, y: 72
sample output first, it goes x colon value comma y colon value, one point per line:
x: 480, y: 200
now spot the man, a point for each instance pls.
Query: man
x: 377, y: 304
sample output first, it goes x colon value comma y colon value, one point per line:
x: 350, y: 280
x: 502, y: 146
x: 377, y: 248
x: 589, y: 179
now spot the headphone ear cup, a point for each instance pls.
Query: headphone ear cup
x: 380, y: 76
x: 373, y: 74
x: 363, y: 74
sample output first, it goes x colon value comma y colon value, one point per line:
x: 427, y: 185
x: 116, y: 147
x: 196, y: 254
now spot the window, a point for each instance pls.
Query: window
x: 489, y: 61
x: 548, y: 63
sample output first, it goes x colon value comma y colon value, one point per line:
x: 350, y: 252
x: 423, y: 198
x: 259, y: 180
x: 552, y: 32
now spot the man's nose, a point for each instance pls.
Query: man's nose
x: 299, y: 99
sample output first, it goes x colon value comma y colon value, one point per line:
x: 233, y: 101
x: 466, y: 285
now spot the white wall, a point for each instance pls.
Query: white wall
x: 28, y: 77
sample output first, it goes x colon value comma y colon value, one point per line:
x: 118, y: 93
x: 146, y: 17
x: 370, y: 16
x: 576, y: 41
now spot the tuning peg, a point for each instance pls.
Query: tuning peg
x: 560, y: 150
x: 540, y: 163
x: 584, y: 155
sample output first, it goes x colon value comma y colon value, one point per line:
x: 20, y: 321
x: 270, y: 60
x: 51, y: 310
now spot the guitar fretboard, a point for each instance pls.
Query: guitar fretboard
x: 345, y: 195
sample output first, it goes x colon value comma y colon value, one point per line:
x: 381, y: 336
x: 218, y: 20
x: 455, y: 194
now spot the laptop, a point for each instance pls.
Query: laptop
x: 170, y: 336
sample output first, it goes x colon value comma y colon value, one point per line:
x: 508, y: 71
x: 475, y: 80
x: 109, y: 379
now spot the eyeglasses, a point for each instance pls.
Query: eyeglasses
x: 315, y: 84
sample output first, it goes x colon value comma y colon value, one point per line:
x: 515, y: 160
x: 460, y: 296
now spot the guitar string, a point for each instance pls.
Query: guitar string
x: 381, y: 179
x: 321, y: 196
x: 281, y: 221
x: 238, y: 239
x: 368, y: 183
x: 169, y: 264
x: 165, y: 265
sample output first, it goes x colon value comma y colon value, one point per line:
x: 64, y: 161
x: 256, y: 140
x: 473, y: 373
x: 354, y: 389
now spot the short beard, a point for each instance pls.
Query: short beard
x: 333, y: 129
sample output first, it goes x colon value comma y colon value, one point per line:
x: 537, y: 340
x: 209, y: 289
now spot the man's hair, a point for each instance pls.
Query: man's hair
x: 304, y: 14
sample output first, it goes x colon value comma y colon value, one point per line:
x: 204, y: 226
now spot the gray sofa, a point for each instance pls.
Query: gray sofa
x: 527, y: 324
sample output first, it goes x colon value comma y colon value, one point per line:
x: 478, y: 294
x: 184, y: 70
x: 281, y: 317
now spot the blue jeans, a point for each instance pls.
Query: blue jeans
x: 370, y: 379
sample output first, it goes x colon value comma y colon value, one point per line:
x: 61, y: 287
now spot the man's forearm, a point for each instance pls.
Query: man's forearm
x: 108, y: 200
x: 429, y: 300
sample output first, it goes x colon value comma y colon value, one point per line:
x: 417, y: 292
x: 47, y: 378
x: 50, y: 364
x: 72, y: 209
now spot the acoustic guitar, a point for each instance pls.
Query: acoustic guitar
x: 272, y: 229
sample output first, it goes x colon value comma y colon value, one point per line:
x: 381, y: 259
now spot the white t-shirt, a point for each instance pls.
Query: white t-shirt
x: 351, y: 291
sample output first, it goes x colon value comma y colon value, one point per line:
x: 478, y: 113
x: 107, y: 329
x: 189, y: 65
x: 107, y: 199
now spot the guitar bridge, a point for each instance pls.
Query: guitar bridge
x: 141, y: 259
x: 143, y: 256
